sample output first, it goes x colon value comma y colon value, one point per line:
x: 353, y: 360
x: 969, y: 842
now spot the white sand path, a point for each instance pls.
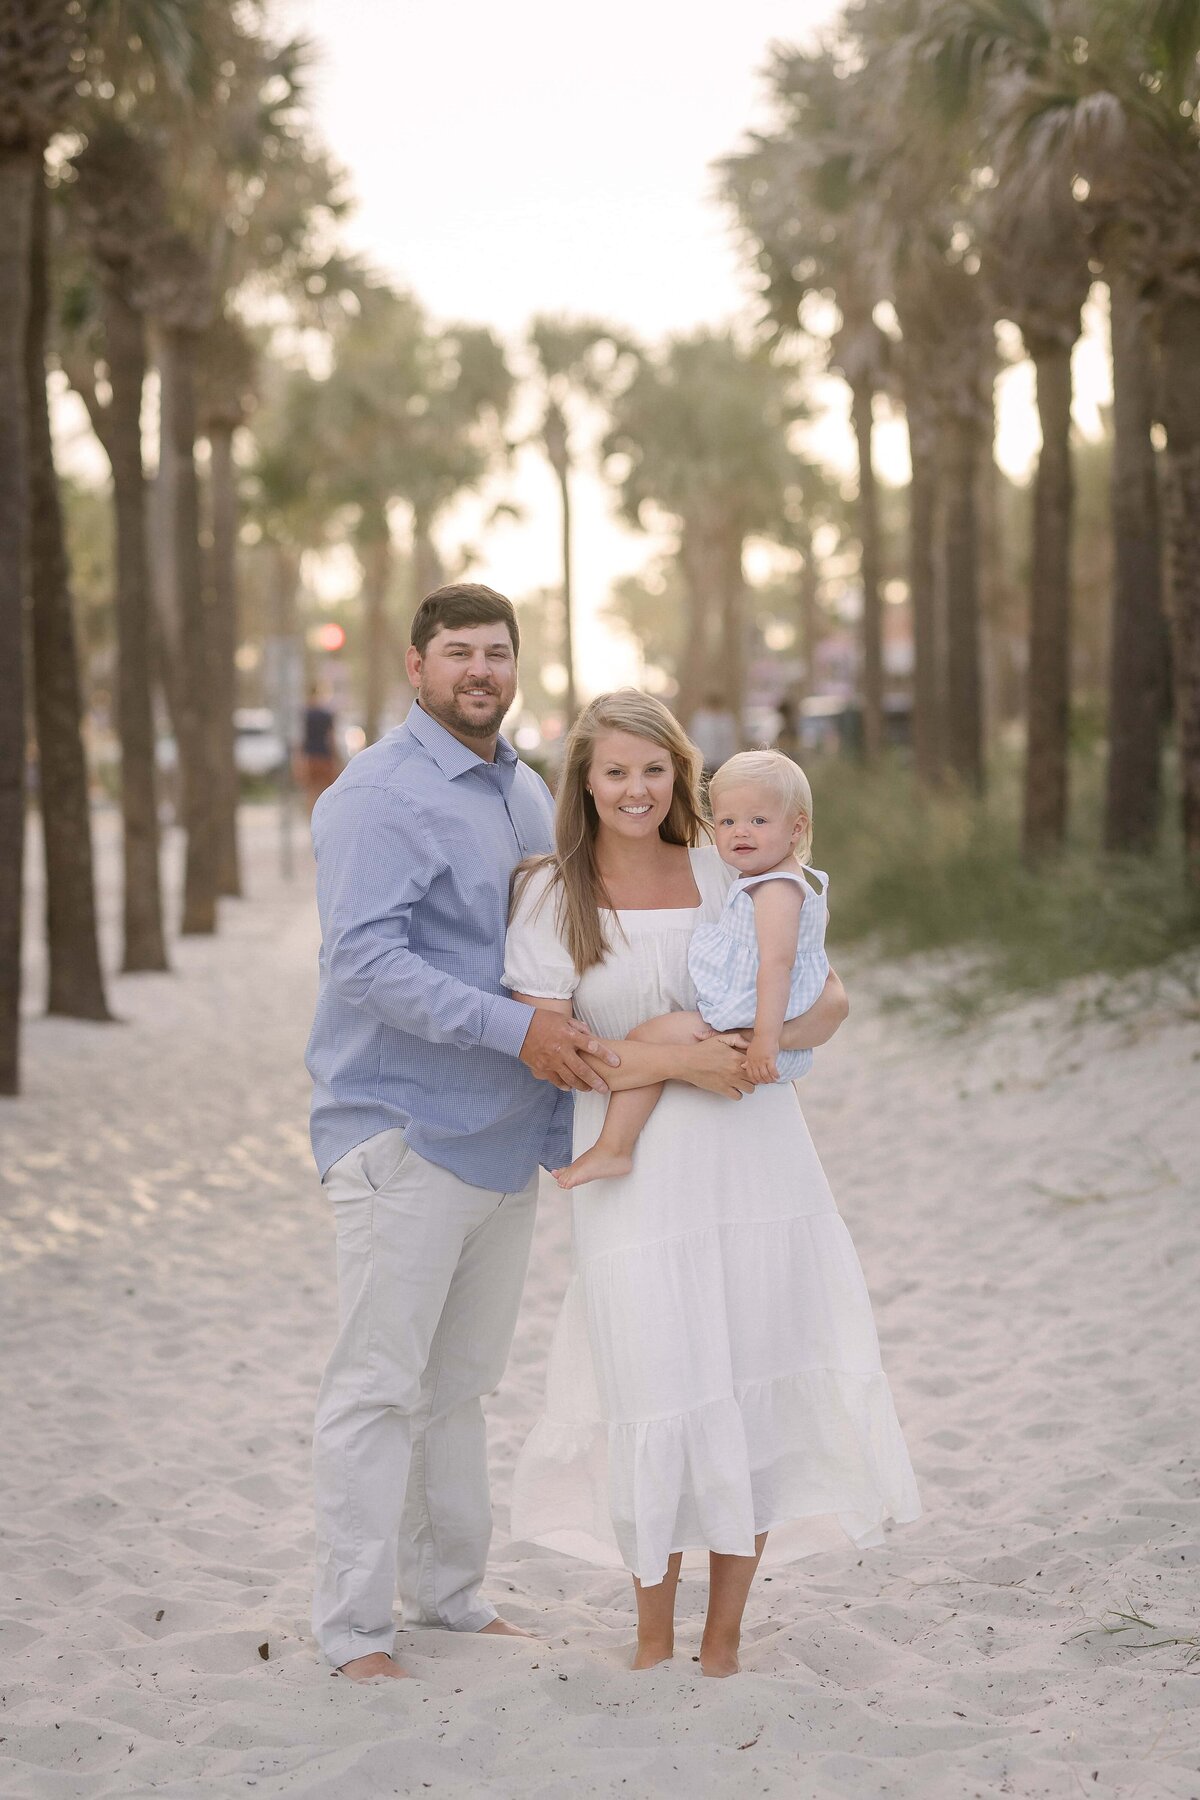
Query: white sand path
x: 1025, y: 1203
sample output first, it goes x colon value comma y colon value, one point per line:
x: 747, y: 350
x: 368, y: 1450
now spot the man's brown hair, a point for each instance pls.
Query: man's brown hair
x: 462, y: 603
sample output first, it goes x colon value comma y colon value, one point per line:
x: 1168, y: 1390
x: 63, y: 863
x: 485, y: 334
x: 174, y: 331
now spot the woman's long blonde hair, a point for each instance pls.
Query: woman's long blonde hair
x: 580, y: 895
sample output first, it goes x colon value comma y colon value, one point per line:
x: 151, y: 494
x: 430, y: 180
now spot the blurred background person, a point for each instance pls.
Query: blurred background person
x: 787, y: 738
x: 715, y: 730
x: 318, y: 763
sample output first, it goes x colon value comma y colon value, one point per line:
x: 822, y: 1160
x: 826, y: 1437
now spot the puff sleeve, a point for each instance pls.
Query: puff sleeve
x: 536, y: 960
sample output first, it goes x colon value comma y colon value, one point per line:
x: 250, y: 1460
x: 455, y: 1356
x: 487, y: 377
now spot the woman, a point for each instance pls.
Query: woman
x: 715, y: 1372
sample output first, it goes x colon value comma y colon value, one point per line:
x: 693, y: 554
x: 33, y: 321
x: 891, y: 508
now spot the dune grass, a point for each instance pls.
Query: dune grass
x: 912, y: 873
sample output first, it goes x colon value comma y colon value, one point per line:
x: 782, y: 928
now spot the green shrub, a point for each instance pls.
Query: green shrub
x: 912, y: 873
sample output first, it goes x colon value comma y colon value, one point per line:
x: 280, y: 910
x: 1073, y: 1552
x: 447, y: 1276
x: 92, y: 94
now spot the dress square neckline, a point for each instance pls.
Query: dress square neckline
x: 638, y: 912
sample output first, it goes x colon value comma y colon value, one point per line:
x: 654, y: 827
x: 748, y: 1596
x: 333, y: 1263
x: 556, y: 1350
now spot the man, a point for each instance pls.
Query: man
x: 436, y: 1096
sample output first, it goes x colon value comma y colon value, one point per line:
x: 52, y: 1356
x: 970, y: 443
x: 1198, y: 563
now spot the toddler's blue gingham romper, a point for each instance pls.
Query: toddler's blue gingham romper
x: 723, y: 962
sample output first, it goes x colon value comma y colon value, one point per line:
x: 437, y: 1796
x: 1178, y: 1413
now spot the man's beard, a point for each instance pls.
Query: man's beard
x: 449, y: 713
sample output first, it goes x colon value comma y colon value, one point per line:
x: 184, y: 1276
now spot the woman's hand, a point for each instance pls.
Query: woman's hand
x: 760, y: 1060
x: 818, y: 1024
x: 717, y: 1064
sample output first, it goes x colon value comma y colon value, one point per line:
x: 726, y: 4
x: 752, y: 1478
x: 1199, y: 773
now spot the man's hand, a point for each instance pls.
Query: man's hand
x: 552, y: 1050
x: 718, y: 1065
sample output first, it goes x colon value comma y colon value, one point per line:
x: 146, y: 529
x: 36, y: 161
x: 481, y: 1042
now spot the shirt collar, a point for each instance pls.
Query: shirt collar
x: 452, y: 757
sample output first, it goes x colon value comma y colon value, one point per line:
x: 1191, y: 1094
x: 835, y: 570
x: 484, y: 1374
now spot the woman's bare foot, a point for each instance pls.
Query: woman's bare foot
x: 596, y: 1164
x: 502, y: 1628
x: 650, y: 1654
x: 376, y: 1667
x: 719, y: 1659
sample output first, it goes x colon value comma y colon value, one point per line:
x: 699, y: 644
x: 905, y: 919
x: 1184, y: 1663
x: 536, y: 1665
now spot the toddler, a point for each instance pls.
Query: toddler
x: 762, y: 960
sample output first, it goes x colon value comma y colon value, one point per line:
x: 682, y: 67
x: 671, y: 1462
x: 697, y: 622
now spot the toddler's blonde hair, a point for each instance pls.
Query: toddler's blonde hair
x: 783, y: 778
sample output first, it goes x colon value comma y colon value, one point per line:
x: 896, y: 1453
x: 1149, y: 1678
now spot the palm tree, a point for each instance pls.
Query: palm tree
x: 409, y: 415
x: 239, y: 165
x: 1114, y: 94
x: 363, y: 415
x: 702, y: 431
x: 76, y: 984
x: 1036, y: 262
x: 114, y: 177
x: 918, y: 166
x: 814, y: 229
x: 1139, y: 657
x: 36, y: 85
x: 577, y: 360
x: 812, y: 501
x: 182, y: 303
x: 225, y: 400
x: 455, y: 434
x: 52, y: 53
x: 916, y: 359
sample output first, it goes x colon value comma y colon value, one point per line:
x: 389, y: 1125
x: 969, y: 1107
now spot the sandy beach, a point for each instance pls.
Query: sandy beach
x: 1024, y: 1200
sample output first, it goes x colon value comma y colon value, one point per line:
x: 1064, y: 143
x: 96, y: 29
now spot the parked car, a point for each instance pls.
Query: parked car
x: 258, y: 749
x: 833, y: 722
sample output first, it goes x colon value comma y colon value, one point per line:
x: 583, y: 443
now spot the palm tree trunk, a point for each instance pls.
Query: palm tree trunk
x: 698, y: 559
x: 808, y: 620
x: 17, y: 187
x: 375, y: 556
x: 1179, y: 352
x: 922, y: 589
x: 692, y: 682
x: 427, y: 564
x: 427, y: 570
x: 177, y: 371
x: 1048, y: 691
x: 862, y: 420
x: 991, y: 582
x: 125, y: 347
x: 563, y: 471
x: 733, y: 625
x: 1138, y: 659
x: 76, y: 986
x: 224, y: 638
x: 960, y: 564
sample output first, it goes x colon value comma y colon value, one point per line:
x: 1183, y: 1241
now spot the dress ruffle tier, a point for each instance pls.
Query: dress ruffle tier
x: 817, y: 1449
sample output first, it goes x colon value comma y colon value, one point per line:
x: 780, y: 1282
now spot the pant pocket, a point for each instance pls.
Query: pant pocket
x: 366, y: 1168
x: 382, y: 1158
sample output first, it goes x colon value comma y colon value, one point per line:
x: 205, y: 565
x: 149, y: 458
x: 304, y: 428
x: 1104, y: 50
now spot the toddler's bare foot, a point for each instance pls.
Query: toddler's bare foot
x: 650, y: 1654
x: 377, y: 1666
x: 719, y: 1659
x: 596, y: 1164
x: 502, y: 1628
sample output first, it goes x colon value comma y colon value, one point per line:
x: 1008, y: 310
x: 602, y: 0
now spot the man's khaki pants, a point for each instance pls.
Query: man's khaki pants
x: 430, y: 1272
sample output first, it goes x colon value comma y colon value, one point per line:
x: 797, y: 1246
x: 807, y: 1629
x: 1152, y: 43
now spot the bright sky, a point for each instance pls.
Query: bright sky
x: 540, y: 156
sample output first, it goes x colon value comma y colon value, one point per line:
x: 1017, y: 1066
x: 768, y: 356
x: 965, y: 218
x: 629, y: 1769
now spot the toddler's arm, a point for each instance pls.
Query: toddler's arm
x: 714, y: 1064
x: 776, y: 924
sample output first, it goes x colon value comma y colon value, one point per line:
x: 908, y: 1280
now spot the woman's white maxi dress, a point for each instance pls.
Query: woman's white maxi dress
x: 714, y: 1371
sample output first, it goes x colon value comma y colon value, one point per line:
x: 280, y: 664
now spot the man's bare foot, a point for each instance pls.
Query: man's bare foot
x: 719, y: 1660
x: 502, y: 1628
x: 378, y: 1666
x: 596, y: 1164
x: 650, y: 1655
